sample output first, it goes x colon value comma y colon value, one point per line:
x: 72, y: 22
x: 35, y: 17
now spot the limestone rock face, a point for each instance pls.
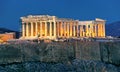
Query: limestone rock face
x: 58, y: 52
x: 9, y: 54
x: 110, y: 52
x: 87, y: 50
x: 61, y: 52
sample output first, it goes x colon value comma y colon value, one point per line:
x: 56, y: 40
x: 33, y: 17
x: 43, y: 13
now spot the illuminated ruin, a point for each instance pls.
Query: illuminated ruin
x: 52, y: 27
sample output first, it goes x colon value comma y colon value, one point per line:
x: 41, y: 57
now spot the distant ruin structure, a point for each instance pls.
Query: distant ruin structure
x: 52, y: 27
x: 4, y: 37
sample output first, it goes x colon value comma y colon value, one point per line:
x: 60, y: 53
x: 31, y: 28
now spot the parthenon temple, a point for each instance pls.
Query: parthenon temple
x: 52, y: 27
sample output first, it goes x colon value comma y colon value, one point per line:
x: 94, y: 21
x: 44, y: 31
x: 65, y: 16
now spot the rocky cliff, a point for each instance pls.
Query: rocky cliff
x: 62, y: 52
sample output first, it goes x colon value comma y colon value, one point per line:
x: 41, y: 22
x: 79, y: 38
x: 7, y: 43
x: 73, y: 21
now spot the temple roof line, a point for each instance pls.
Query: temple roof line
x: 56, y: 18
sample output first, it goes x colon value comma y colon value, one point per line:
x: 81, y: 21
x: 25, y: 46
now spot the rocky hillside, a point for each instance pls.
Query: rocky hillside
x: 75, y: 66
x: 73, y: 56
x: 61, y: 52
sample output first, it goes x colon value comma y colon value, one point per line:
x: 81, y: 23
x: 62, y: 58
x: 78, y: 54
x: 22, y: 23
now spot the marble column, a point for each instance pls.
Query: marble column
x: 77, y: 29
x: 103, y: 30
x: 40, y: 29
x: 58, y: 29
x: 50, y: 29
x: 74, y: 30
x: 27, y: 31
x: 38, y: 23
x: 64, y: 29
x: 86, y: 31
x: 71, y: 29
x: 45, y: 28
x: 36, y: 30
x: 95, y: 30
x: 91, y: 31
x: 54, y: 29
x: 81, y: 30
x: 98, y: 30
x: 60, y: 25
x: 31, y: 28
x: 68, y: 32
x: 23, y: 29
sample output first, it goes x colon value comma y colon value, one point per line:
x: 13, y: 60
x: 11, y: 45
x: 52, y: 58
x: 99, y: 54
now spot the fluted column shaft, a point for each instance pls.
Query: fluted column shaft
x: 45, y: 29
x: 103, y: 30
x: 81, y: 29
x: 71, y: 29
x: 64, y: 29
x: 95, y: 30
x: 23, y: 29
x: 50, y: 29
x: 61, y: 29
x: 74, y: 30
x: 40, y: 29
x: 36, y: 30
x: 31, y: 29
x: 54, y: 28
x: 68, y: 32
x: 27, y: 31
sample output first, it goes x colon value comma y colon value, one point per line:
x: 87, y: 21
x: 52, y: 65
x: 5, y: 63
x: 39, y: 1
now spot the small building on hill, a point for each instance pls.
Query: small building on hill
x: 5, y: 30
x: 6, y: 34
x: 4, y: 37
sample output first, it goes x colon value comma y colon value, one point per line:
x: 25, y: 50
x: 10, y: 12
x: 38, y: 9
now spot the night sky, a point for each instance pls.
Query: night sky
x: 12, y: 10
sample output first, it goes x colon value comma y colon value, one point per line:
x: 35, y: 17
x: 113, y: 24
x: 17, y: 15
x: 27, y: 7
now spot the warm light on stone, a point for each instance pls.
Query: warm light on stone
x: 52, y: 27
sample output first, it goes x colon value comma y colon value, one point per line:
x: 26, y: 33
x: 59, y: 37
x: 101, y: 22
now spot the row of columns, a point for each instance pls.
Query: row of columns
x: 73, y: 29
x: 92, y: 30
x: 101, y: 30
x: 62, y: 29
x: 31, y: 29
x: 66, y: 29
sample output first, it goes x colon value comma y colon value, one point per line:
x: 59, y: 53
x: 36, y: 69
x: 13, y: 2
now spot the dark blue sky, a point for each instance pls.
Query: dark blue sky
x: 12, y: 10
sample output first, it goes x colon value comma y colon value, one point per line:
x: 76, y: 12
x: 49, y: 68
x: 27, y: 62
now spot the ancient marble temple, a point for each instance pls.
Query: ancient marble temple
x: 52, y: 27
